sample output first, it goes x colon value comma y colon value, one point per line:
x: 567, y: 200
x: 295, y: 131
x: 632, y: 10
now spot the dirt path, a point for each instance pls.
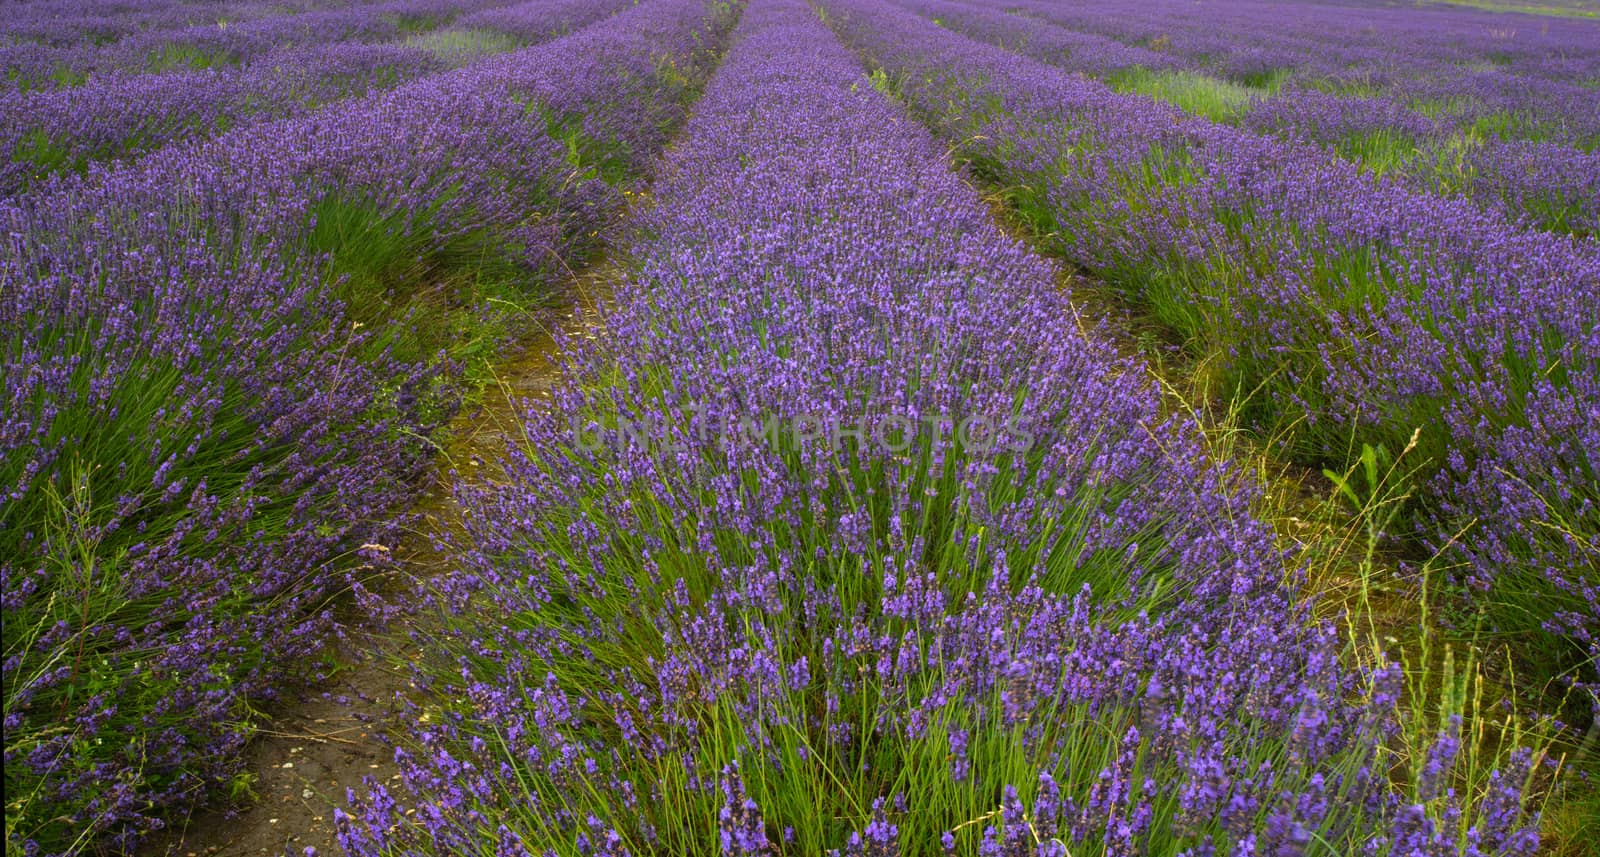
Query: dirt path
x: 321, y: 741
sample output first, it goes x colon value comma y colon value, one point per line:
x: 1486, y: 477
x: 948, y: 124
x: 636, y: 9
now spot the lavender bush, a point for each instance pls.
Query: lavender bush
x: 218, y: 360
x: 1348, y: 309
x: 843, y: 539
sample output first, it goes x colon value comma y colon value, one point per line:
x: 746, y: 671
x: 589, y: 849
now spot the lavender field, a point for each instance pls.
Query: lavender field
x: 800, y: 427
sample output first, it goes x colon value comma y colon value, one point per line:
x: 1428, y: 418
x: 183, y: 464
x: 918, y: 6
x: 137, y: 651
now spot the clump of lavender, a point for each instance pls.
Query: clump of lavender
x: 757, y: 582
x: 1352, y: 309
x: 209, y: 427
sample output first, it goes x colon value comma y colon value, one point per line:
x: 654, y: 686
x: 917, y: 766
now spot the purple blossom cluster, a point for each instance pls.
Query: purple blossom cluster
x: 203, y: 443
x: 1557, y: 186
x: 1354, y: 306
x: 718, y: 644
x: 1395, y: 99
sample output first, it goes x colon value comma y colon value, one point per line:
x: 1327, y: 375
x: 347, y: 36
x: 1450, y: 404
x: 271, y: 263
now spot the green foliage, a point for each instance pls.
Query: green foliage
x: 178, y: 55
x: 463, y: 46
x: 409, y: 25
x: 66, y: 77
x: 1213, y: 98
x: 1381, y: 151
x: 426, y: 289
x: 1270, y: 81
x: 39, y: 149
x: 61, y: 75
x: 592, y: 156
x: 242, y: 787
x: 1566, y: 9
x: 1343, y: 86
x: 1503, y: 124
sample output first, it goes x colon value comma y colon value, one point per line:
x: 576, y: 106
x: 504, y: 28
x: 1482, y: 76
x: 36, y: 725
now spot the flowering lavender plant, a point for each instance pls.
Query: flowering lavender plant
x: 1352, y: 309
x: 220, y: 358
x: 688, y: 641
x: 1403, y: 99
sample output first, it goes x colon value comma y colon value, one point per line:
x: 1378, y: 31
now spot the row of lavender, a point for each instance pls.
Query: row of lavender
x: 1525, y: 144
x: 218, y: 363
x: 843, y: 539
x: 1347, y: 309
x: 121, y: 115
x: 1539, y: 72
x: 34, y: 65
x: 1506, y: 110
x: 1382, y: 44
x: 66, y: 23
